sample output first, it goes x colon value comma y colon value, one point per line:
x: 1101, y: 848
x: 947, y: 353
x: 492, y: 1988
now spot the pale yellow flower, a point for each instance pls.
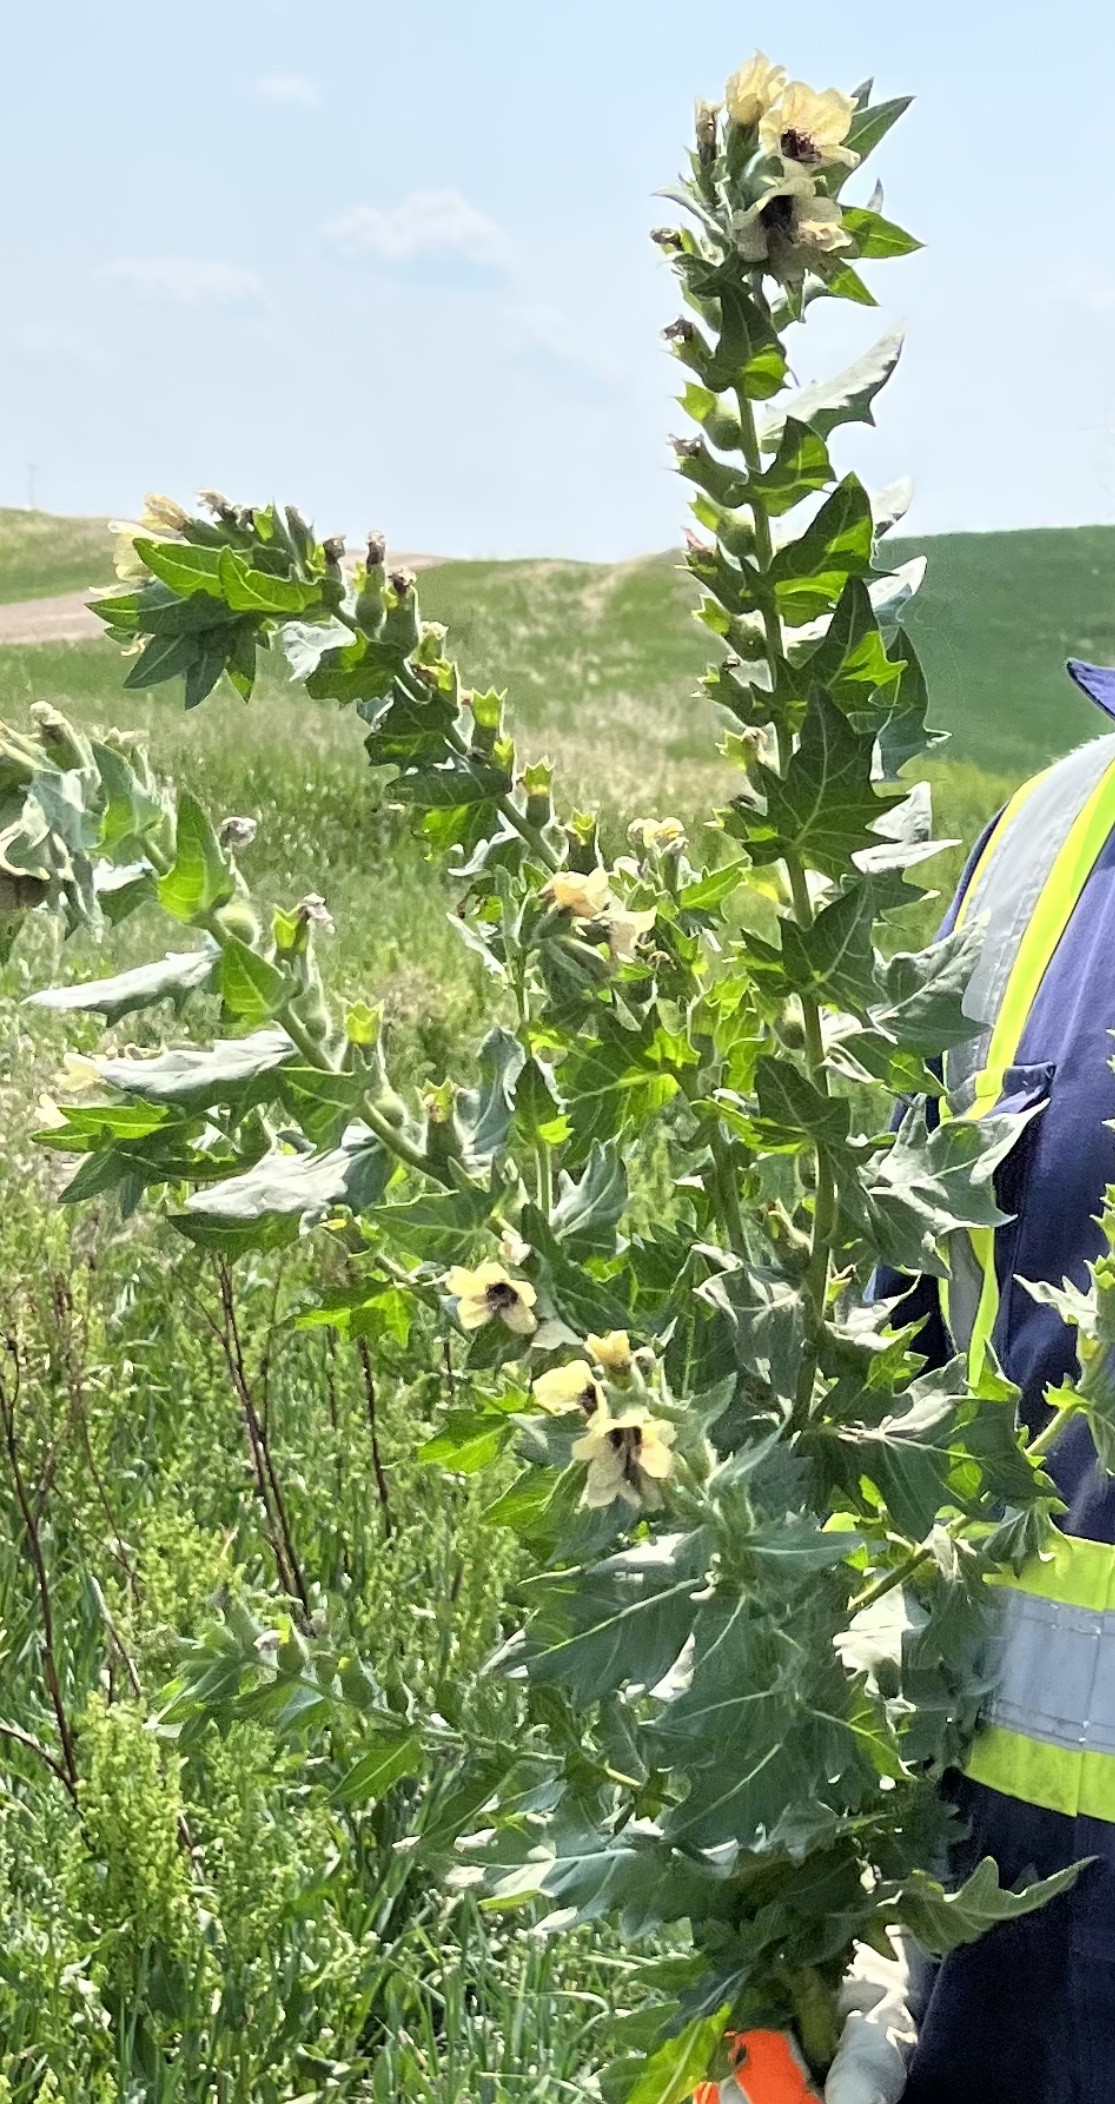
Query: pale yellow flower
x: 583, y: 896
x: 627, y: 1457
x: 656, y: 833
x: 51, y: 1119
x: 77, y: 1074
x: 572, y: 1387
x: 752, y: 89
x: 130, y: 568
x: 807, y: 129
x: 488, y: 1294
x: 612, y: 1352
x: 791, y: 229
x: 626, y: 930
x: 163, y: 514
x: 513, y: 1249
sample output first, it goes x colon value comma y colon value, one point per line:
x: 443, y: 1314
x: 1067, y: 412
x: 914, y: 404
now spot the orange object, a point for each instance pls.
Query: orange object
x: 767, y: 2069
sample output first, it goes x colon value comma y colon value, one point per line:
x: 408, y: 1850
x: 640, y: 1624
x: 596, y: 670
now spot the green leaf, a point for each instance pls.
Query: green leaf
x: 825, y: 808
x: 469, y: 1440
x: 846, y: 399
x: 282, y: 1192
x: 251, y: 988
x: 589, y: 1208
x: 706, y: 893
x: 249, y: 591
x: 809, y: 574
x: 323, y: 1101
x: 672, y: 2073
x: 796, y: 1110
x: 943, y: 1921
x: 876, y: 237
x: 930, y: 1184
x: 834, y: 959
x: 389, y: 1753
x: 235, y: 1071
x: 132, y: 804
x: 851, y: 662
x: 483, y: 1115
x: 183, y: 567
x: 924, y: 990
x: 633, y: 1875
x: 163, y: 657
x: 451, y: 786
x: 870, y: 126
x: 624, y: 1619
x: 800, y: 466
x: 176, y: 975
x: 201, y: 877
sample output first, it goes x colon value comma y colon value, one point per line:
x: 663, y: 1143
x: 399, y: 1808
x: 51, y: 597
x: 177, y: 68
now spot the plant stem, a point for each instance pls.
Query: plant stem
x: 395, y: 1141
x: 825, y: 1207
x: 728, y: 1193
x: 544, y: 1179
x: 382, y: 1491
x: 31, y: 1527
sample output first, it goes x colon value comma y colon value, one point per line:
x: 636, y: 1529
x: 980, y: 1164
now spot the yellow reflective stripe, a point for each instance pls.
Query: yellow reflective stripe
x: 994, y: 841
x: 1075, y: 862
x: 1067, y: 878
x: 1074, y: 1784
x: 1075, y: 1572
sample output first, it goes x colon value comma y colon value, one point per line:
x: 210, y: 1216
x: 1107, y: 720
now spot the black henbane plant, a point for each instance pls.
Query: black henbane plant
x: 755, y: 1529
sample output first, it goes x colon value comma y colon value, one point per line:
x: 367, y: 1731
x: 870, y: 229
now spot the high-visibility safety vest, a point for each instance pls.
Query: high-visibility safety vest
x: 1027, y: 2015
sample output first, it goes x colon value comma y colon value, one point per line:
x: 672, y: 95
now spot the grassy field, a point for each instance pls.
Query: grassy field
x: 591, y: 651
x: 298, y: 1950
x: 41, y: 553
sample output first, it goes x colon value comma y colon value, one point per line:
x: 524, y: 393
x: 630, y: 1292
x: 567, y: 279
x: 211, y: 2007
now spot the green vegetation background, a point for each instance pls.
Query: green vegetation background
x: 328, y: 1966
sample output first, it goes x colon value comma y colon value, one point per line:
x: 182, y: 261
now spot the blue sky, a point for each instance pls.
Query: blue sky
x: 391, y: 263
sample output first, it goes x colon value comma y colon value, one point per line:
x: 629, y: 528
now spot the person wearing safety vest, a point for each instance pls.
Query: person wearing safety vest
x: 1027, y: 2014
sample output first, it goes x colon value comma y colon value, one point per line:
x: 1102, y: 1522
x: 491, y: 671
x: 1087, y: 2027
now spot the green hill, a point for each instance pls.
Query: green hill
x: 42, y: 552
x: 603, y: 657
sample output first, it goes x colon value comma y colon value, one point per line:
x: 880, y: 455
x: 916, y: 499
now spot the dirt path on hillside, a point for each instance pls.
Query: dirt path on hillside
x: 67, y: 619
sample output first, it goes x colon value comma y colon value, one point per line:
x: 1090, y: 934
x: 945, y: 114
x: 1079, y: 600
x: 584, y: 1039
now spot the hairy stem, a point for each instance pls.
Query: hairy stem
x: 825, y: 1208
x: 267, y: 1482
x: 382, y: 1491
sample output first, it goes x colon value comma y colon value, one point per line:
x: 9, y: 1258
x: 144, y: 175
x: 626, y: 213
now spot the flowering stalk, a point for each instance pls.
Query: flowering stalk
x: 728, y: 1461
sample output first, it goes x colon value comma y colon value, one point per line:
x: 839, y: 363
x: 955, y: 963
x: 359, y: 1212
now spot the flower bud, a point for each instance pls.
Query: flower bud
x: 537, y: 784
x: 333, y: 549
x: 57, y: 736
x: 363, y: 1023
x: 668, y: 239
x: 238, y: 918
x: 377, y: 551
x: 237, y: 833
x: 215, y: 501
x: 163, y: 514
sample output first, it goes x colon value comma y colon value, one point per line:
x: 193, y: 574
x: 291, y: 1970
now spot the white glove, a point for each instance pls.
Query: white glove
x: 878, y: 2036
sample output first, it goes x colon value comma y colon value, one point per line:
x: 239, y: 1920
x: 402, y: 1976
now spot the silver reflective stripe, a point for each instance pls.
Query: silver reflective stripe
x: 1007, y: 888
x: 1056, y: 1673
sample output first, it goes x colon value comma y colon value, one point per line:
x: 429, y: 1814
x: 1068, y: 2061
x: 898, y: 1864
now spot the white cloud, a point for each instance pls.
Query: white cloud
x: 428, y: 223
x: 287, y: 87
x: 187, y: 282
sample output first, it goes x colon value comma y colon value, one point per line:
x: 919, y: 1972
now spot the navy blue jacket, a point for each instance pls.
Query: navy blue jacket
x: 1027, y: 2015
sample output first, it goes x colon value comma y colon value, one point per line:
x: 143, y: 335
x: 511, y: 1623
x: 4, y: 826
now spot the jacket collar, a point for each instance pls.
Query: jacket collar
x: 1097, y: 681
